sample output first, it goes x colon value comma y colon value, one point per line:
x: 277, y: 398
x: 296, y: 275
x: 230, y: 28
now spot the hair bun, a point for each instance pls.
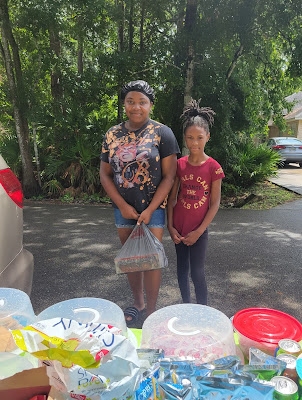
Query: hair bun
x: 193, y: 112
x: 193, y: 109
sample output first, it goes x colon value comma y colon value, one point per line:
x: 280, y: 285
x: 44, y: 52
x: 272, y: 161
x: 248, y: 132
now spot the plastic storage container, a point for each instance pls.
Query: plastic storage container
x: 15, y: 309
x: 189, y: 330
x: 263, y: 328
x: 87, y: 309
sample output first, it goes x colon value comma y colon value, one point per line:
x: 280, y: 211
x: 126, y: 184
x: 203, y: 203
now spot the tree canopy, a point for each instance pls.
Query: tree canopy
x: 63, y: 64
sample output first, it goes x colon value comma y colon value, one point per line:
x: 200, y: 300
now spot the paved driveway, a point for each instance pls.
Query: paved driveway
x: 254, y: 258
x: 290, y: 177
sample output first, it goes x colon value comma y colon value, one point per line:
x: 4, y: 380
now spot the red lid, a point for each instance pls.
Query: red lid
x: 267, y: 325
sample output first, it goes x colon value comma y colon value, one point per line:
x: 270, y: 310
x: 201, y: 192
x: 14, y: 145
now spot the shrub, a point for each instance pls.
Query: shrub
x: 250, y: 164
x: 53, y: 188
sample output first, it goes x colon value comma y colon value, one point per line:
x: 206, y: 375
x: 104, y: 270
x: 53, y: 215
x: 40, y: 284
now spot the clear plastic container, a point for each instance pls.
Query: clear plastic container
x: 86, y: 310
x: 15, y: 309
x: 189, y: 330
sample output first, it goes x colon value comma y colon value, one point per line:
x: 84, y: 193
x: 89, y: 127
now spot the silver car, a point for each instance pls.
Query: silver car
x: 289, y: 148
x: 16, y: 263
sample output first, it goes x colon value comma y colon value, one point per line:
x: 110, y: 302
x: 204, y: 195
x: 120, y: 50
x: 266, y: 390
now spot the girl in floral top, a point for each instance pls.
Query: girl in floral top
x: 138, y: 165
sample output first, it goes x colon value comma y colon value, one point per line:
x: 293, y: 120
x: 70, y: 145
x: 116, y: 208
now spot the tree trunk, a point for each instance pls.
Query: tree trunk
x: 234, y: 62
x: 80, y: 56
x: 141, y: 29
x: 121, y: 23
x: 190, y: 22
x: 120, y: 47
x: 189, y: 77
x: 10, y: 54
x: 131, y: 28
x: 36, y: 153
x: 55, y: 76
x: 80, y: 45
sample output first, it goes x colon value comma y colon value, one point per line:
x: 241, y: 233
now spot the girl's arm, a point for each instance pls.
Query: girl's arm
x: 175, y: 236
x: 193, y: 236
x: 106, y: 177
x: 168, y: 168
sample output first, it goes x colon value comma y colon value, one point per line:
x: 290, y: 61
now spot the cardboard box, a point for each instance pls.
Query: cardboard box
x: 25, y: 385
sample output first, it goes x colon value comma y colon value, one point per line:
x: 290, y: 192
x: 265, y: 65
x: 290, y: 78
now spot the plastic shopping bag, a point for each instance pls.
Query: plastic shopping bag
x: 84, y: 361
x: 141, y: 252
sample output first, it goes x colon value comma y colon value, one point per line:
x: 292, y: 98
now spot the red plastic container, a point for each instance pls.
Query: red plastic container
x: 263, y: 328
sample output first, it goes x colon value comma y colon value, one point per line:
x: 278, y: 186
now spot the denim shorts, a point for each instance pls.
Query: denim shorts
x: 157, y: 219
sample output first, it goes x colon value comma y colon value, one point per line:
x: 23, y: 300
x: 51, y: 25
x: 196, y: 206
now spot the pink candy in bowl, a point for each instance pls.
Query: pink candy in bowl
x: 263, y: 328
x: 189, y: 330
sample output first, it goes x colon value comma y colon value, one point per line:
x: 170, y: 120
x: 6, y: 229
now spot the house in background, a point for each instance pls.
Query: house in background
x: 293, y: 119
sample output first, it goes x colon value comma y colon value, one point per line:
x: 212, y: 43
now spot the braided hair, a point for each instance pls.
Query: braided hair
x: 193, y: 114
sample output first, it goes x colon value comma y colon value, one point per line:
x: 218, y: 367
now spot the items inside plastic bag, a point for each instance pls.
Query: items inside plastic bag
x: 223, y: 378
x: 148, y: 387
x: 142, y: 251
x: 232, y: 388
x: 177, y: 371
x: 91, y: 360
x: 262, y: 366
x: 15, y: 312
x: 149, y: 357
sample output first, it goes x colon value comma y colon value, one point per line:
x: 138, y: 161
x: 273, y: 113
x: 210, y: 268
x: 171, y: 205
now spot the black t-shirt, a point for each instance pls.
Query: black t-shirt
x: 135, y: 159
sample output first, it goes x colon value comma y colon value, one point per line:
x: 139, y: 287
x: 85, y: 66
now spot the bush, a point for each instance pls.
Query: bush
x: 250, y: 164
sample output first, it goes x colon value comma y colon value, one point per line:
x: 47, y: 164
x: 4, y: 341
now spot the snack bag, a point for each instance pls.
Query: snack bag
x: 233, y: 387
x: 87, y: 361
x: 262, y: 366
x: 12, y: 359
x: 176, y: 391
x: 142, y: 251
x: 148, y: 388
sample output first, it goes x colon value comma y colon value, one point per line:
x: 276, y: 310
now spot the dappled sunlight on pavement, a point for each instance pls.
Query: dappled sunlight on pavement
x: 253, y: 260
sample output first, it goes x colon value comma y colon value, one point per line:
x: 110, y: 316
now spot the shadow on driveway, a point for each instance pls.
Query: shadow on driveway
x: 254, y: 258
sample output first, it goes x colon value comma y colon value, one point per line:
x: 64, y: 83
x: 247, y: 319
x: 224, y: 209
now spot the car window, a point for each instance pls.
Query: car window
x: 270, y: 142
x: 289, y: 141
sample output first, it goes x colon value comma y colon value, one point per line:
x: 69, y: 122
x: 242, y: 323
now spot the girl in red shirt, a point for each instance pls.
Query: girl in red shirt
x: 194, y: 201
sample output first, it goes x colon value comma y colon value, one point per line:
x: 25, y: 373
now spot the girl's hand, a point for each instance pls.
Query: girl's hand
x: 129, y: 212
x: 144, y: 217
x: 191, y: 238
x: 175, y: 236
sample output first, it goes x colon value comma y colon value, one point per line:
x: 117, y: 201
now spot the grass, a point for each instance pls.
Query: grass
x: 263, y: 196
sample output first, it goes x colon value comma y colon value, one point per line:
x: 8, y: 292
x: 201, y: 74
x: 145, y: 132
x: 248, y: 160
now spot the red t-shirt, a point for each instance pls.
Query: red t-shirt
x: 194, y: 195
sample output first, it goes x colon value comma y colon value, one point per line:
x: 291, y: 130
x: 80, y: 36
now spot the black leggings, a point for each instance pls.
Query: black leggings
x: 192, y: 257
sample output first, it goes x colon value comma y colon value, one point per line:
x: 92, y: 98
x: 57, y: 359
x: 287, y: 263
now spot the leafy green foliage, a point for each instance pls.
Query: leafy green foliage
x: 67, y: 198
x: 250, y: 164
x: 53, y: 188
x: 10, y: 152
x: 76, y: 55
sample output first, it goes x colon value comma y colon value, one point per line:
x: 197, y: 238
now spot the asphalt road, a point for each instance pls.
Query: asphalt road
x: 254, y: 258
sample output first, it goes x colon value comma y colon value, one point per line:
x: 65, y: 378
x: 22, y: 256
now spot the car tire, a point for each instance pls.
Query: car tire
x: 300, y: 163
